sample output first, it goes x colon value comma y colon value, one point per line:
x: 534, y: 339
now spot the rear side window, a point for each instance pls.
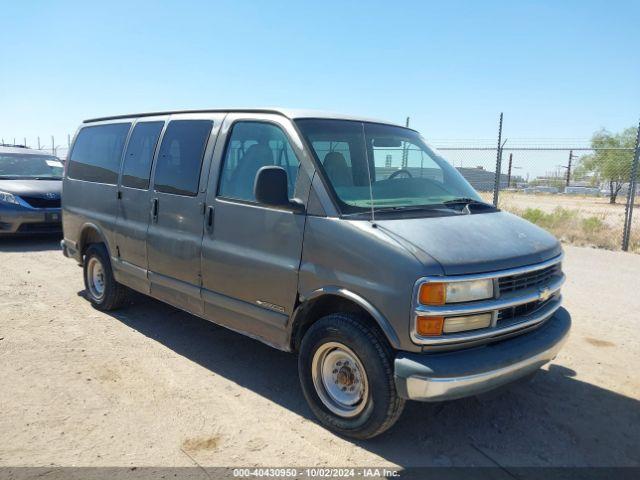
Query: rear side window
x: 139, y: 154
x: 97, y: 151
x: 180, y: 157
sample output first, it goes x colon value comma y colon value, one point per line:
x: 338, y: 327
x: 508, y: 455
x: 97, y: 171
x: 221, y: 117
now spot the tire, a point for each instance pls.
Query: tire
x: 105, y: 294
x: 332, y: 354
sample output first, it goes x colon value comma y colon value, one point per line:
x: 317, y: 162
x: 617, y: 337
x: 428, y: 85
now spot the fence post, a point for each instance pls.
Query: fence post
x: 631, y: 195
x: 496, y: 185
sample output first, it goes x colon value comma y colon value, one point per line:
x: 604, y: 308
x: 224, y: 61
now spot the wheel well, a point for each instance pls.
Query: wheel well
x: 315, y: 309
x: 89, y: 236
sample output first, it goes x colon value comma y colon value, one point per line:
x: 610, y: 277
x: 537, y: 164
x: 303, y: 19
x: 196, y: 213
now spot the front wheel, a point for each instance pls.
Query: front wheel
x: 346, y: 372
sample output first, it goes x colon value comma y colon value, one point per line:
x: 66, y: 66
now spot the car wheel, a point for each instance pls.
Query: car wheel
x: 103, y: 291
x: 346, y: 372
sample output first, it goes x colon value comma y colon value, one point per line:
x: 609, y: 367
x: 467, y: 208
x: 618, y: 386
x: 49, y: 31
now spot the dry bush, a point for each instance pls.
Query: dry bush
x: 572, y: 227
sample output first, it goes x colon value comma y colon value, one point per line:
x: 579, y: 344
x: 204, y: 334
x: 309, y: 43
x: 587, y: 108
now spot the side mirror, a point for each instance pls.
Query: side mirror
x: 271, y: 188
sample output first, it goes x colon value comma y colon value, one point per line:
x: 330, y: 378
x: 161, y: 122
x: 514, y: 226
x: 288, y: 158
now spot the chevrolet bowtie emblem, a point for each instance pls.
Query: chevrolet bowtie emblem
x: 544, y: 293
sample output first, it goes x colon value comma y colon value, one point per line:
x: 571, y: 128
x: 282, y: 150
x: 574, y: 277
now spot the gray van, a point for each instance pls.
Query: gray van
x: 346, y: 240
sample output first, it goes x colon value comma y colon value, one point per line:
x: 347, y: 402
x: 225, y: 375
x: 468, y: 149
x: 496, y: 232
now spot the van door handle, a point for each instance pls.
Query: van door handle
x: 209, y: 216
x: 154, y: 210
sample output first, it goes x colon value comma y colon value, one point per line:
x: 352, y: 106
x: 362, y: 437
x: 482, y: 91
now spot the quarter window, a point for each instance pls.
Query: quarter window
x: 254, y: 145
x: 180, y: 157
x: 139, y: 154
x: 97, y: 151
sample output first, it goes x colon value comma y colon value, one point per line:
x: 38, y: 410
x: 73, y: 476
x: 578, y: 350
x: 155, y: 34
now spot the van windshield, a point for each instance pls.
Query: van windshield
x: 383, y: 166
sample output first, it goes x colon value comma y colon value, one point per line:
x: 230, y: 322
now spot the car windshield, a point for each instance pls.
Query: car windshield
x: 22, y: 166
x: 383, y: 166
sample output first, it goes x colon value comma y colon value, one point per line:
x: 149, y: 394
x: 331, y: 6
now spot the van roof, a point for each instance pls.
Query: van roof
x: 287, y: 112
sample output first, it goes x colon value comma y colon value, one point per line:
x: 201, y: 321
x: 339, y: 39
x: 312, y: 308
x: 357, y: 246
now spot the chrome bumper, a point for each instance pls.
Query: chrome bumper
x: 447, y: 376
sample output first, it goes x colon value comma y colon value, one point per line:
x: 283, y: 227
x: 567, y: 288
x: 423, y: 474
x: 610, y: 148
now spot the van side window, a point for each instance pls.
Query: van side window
x: 97, y: 152
x: 254, y: 145
x: 180, y: 157
x: 139, y: 154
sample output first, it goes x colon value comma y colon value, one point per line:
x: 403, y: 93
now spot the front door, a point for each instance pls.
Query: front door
x: 176, y: 206
x: 251, y: 252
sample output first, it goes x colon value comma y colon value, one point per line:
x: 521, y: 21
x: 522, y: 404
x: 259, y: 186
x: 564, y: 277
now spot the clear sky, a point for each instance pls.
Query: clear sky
x: 558, y: 69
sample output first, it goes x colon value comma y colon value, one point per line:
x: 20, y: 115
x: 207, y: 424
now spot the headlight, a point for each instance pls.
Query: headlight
x: 6, y: 197
x: 436, y: 326
x: 439, y: 293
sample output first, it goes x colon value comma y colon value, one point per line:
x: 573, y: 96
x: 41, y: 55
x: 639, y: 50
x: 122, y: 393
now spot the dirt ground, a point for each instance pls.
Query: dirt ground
x: 151, y: 386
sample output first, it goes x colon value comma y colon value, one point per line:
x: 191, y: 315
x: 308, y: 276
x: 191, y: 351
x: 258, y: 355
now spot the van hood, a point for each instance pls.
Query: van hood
x: 476, y: 243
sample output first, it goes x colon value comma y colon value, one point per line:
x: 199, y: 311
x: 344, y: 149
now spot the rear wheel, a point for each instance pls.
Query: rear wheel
x: 346, y: 372
x: 103, y: 291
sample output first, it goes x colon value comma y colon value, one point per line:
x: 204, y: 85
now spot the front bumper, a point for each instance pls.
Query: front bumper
x: 462, y: 373
x: 23, y: 221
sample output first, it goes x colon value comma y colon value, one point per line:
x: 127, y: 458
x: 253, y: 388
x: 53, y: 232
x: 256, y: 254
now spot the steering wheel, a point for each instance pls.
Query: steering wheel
x: 402, y: 171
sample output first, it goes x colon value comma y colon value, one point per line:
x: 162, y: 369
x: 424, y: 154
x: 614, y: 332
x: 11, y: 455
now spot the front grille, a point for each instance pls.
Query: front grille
x: 39, y: 202
x: 507, y: 315
x: 525, y: 297
x: 48, y: 227
x: 529, y: 279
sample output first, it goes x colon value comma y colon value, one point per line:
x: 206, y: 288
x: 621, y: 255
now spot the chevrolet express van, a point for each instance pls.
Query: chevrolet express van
x: 346, y: 240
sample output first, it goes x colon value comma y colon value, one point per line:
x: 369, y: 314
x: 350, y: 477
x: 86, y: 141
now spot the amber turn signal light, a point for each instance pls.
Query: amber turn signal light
x: 432, y: 294
x: 429, y: 326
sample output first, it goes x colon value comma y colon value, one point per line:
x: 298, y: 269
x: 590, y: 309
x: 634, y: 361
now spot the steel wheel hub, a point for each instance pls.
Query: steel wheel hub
x: 340, y: 379
x: 95, y: 278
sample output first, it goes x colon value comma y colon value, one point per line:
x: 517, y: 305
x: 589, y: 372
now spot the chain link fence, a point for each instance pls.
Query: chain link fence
x: 52, y: 148
x: 582, y: 195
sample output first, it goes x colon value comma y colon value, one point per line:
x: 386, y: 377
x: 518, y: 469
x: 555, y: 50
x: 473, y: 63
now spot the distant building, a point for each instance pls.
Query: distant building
x: 483, y: 180
x: 581, y: 190
x: 541, y: 189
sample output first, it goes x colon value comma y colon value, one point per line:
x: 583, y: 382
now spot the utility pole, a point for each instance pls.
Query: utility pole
x: 509, y: 173
x: 569, y: 167
x: 405, y: 153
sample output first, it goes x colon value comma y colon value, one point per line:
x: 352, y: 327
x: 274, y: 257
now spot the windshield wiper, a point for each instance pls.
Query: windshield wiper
x: 407, y: 208
x: 467, y: 202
